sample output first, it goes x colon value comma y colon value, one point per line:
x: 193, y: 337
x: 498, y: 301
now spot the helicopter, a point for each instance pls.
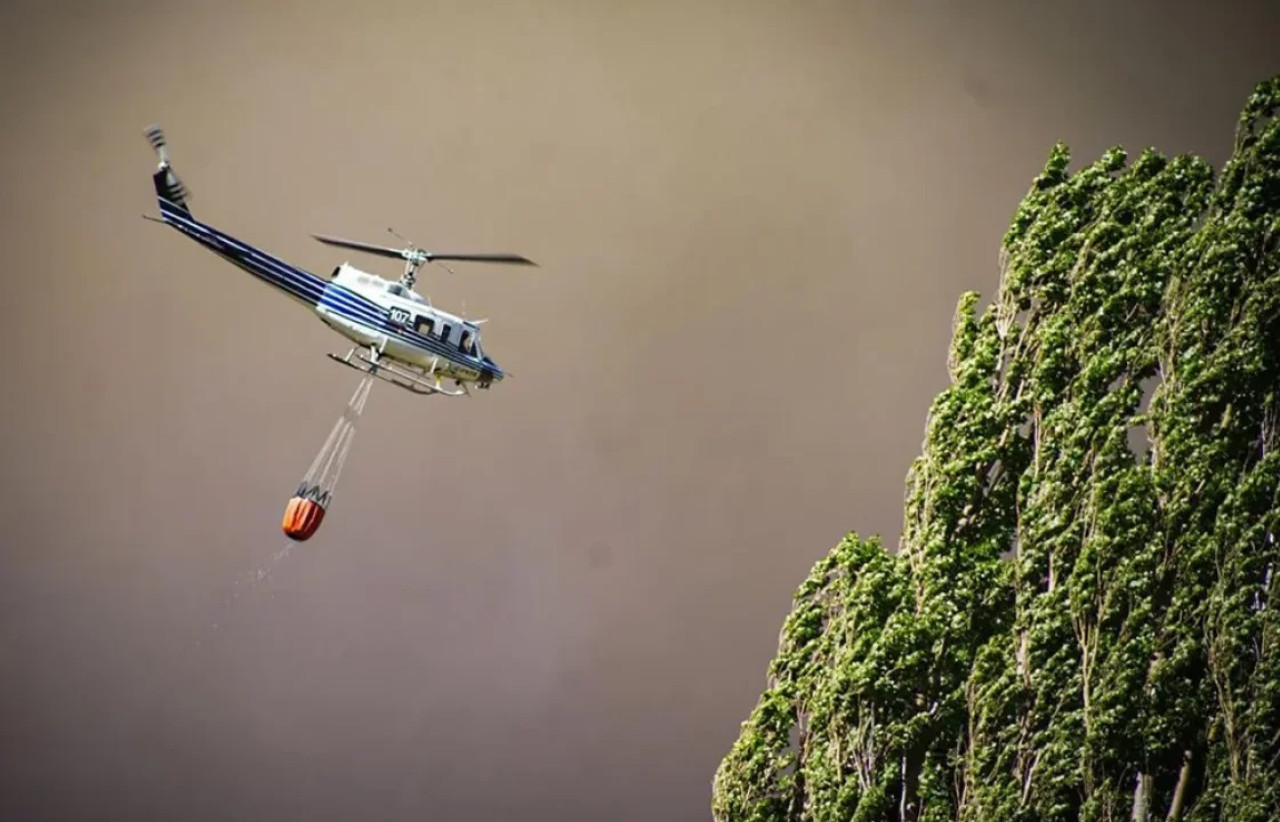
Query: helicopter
x: 397, y: 335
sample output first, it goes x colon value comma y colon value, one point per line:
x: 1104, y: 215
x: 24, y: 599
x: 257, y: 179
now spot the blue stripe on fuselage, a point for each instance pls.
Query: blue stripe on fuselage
x: 340, y: 300
x: 310, y: 289
x: 302, y: 285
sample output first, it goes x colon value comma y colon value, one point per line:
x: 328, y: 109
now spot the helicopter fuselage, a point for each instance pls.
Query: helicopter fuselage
x: 368, y: 310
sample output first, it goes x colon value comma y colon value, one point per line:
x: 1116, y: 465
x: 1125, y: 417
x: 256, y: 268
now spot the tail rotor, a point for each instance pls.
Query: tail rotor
x: 168, y: 184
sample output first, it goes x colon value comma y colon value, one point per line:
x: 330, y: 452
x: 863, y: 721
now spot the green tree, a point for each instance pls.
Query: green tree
x: 1079, y: 623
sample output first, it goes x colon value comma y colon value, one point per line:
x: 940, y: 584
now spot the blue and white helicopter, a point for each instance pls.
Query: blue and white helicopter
x: 410, y: 343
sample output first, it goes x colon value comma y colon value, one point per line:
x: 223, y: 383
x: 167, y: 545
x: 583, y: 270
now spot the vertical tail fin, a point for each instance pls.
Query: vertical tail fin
x: 169, y: 188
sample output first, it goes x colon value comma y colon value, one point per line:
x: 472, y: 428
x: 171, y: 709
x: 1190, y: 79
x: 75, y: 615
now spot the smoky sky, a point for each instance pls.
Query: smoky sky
x: 556, y: 599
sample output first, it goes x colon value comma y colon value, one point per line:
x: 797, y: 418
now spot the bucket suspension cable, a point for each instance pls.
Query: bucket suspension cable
x: 310, y: 476
x: 345, y: 447
x: 324, y: 457
x: 328, y: 476
x: 305, y: 512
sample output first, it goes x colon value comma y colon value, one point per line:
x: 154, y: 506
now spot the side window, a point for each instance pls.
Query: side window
x: 446, y: 332
x: 424, y: 325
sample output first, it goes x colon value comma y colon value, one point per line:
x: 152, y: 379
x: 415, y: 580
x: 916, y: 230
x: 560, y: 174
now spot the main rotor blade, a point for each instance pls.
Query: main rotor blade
x: 481, y: 258
x: 372, y: 249
x: 421, y: 255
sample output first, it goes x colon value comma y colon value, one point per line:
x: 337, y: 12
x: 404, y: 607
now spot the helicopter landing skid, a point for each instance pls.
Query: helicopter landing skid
x: 396, y: 374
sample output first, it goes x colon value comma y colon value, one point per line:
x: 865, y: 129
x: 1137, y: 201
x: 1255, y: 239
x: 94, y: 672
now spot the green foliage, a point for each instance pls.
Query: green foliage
x: 1072, y: 629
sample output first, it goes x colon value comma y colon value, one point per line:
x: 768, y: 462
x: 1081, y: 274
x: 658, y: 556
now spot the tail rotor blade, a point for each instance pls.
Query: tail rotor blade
x: 155, y: 136
x: 180, y: 187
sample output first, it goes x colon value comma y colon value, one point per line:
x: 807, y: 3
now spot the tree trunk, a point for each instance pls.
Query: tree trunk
x: 909, y: 801
x: 1141, y: 797
x: 1180, y: 792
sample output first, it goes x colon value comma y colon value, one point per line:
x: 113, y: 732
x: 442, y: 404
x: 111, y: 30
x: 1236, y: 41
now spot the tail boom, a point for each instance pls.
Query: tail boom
x: 172, y: 197
x: 297, y: 283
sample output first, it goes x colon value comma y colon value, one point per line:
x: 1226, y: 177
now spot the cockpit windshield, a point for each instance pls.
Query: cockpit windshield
x: 470, y: 342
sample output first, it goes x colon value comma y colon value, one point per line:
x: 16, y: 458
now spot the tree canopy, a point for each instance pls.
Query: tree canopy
x: 1079, y: 622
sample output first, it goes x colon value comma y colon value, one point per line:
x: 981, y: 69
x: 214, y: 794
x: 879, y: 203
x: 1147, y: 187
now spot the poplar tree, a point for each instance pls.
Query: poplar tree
x: 1079, y: 622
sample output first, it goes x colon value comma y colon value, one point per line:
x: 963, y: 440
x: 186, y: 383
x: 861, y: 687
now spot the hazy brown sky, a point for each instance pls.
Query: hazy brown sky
x: 556, y: 599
